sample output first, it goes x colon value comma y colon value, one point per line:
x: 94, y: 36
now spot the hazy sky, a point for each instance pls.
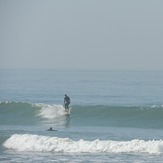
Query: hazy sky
x: 81, y: 34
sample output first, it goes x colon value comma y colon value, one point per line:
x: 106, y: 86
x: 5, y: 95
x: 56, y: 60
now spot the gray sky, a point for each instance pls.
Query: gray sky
x: 81, y: 34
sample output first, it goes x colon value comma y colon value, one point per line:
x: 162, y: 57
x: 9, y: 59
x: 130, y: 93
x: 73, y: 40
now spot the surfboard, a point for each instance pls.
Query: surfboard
x: 67, y: 112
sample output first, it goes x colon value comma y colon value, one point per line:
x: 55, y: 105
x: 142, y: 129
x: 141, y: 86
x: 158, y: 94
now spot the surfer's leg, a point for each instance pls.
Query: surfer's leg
x: 66, y: 106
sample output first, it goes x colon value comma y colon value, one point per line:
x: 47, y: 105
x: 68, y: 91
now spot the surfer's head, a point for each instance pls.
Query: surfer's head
x: 50, y: 129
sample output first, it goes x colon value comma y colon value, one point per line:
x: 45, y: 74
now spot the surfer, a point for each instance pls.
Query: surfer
x: 51, y: 129
x: 66, y: 102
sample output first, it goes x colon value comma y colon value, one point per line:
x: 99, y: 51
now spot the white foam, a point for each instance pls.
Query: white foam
x: 28, y: 142
x: 50, y: 111
x: 5, y: 102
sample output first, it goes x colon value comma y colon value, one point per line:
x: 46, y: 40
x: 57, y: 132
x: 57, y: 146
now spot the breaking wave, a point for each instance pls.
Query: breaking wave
x: 98, y: 115
x: 27, y: 142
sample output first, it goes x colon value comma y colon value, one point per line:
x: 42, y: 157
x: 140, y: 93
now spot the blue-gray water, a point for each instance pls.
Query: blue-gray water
x: 115, y: 116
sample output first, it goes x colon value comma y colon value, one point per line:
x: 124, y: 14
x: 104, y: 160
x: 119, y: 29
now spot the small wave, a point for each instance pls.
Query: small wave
x: 52, y: 114
x: 38, y: 143
x: 98, y: 115
x: 50, y: 111
x: 119, y: 116
x: 29, y: 113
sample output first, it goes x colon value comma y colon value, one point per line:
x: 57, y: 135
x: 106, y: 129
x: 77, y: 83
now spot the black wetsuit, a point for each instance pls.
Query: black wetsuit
x: 67, y: 102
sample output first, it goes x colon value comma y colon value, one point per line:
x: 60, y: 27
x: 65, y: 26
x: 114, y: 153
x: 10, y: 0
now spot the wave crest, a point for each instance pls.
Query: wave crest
x: 28, y: 142
x: 50, y: 111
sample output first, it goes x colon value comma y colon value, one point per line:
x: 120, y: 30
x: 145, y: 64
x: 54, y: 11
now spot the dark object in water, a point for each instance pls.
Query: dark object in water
x: 51, y: 129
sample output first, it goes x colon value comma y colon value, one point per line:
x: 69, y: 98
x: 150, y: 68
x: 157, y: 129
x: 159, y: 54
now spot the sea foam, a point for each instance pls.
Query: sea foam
x: 27, y: 142
x: 50, y: 111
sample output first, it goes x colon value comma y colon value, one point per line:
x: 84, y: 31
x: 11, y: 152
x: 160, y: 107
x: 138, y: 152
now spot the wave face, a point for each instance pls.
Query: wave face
x: 28, y: 113
x: 28, y: 142
x: 120, y: 116
x: 100, y: 115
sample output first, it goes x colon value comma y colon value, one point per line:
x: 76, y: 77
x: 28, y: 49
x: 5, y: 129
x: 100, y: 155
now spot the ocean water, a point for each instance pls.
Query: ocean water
x: 116, y: 116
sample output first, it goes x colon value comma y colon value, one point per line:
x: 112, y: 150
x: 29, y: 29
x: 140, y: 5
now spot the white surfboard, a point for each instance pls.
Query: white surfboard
x: 67, y: 112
